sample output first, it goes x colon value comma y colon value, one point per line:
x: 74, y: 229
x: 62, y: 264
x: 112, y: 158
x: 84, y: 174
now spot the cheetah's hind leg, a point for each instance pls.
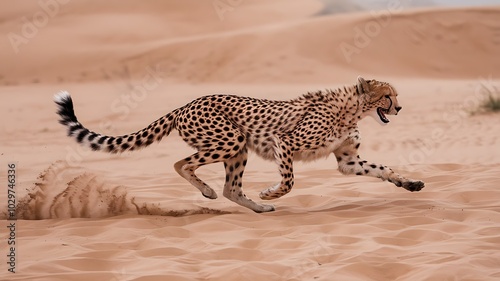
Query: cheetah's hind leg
x: 186, y: 168
x: 284, y: 159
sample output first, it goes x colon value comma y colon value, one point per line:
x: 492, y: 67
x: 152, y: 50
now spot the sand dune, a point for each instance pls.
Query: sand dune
x: 85, y: 215
x: 292, y: 46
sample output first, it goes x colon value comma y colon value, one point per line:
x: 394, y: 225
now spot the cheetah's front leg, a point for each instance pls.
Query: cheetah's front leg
x: 350, y: 163
x: 233, y: 186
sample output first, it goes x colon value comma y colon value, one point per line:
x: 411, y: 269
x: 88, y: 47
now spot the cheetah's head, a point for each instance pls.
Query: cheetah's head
x: 378, y: 99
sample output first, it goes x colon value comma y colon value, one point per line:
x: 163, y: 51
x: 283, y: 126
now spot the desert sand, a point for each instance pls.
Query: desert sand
x: 85, y: 215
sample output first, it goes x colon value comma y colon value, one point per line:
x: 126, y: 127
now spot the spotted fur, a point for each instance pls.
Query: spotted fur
x: 223, y: 128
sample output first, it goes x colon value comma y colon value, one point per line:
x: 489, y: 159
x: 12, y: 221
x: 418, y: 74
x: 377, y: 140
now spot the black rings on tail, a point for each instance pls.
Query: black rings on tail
x: 154, y: 132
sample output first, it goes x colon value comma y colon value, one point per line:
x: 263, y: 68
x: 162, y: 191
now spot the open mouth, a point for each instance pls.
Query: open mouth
x: 381, y: 113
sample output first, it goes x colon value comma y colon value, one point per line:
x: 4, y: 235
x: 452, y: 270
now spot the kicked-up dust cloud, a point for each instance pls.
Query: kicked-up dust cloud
x: 62, y: 192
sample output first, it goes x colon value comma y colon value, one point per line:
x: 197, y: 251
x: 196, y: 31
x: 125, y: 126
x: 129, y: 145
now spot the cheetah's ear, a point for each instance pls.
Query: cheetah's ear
x: 362, y: 85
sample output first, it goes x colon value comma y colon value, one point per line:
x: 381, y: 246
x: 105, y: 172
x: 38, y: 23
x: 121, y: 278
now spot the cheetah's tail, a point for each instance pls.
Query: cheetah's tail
x: 154, y: 132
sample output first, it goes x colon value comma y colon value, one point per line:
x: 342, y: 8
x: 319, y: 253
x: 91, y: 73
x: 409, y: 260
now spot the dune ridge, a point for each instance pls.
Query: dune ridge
x: 304, y: 49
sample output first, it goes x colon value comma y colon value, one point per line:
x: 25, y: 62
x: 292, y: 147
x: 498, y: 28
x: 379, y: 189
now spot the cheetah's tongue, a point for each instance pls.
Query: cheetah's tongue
x: 379, y: 116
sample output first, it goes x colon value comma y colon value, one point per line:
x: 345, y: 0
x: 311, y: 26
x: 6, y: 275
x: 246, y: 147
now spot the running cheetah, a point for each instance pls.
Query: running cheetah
x: 223, y: 128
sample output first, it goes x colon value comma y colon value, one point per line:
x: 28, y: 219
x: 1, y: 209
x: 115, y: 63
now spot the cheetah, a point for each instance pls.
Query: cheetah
x: 224, y: 128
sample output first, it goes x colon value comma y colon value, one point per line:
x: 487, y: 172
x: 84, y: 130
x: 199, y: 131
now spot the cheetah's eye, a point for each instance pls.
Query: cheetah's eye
x: 387, y: 96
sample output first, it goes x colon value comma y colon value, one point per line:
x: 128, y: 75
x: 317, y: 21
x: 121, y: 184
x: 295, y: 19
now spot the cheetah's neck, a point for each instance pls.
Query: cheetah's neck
x: 344, y: 101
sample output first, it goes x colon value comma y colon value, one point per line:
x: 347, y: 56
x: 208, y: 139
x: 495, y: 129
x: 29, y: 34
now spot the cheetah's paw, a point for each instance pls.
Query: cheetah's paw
x: 413, y: 185
x: 262, y: 208
x: 209, y: 193
x: 270, y: 193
